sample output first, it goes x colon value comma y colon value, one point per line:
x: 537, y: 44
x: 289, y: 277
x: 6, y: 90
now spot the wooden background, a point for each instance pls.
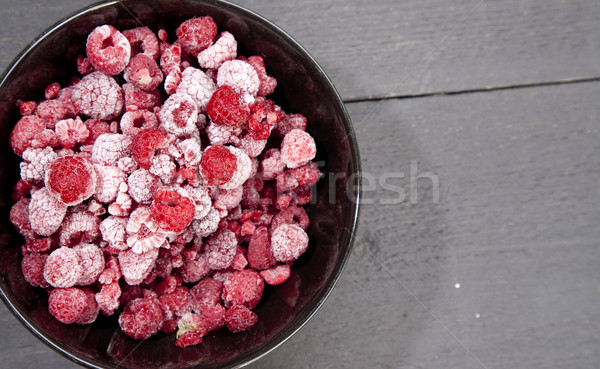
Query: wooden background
x: 500, y: 102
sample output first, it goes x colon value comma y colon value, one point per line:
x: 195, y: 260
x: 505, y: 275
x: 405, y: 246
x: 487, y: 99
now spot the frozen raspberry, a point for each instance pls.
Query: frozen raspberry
x: 228, y: 199
x: 70, y: 132
x: 196, y: 84
x: 46, y: 138
x: 113, y: 231
x: 164, y: 168
x: 179, y: 114
x: 108, y: 297
x: 224, y: 49
x: 220, y: 249
x: 26, y: 107
x: 248, y: 228
x: 196, y: 34
x: 168, y: 284
x: 192, y: 152
x: 52, y: 111
x: 226, y: 108
x: 63, y: 268
x: 127, y: 164
x: 219, y: 134
x: 267, y: 83
x: 288, y: 242
x: 143, y: 40
x: 145, y: 144
x: 291, y: 215
x: 35, y: 164
x: 38, y: 244
x: 176, y: 303
x: 283, y: 201
x: 285, y: 182
x: 214, y: 315
x: 26, y: 129
x: 83, y: 65
x: 202, y: 200
x: 188, y: 338
x: 92, y: 262
x: 239, y: 261
x: 108, y: 50
x: 172, y: 211
x: 110, y: 147
x: 242, y: 170
x: 260, y: 256
x: 170, y: 60
x: 96, y: 128
x: 73, y: 305
x: 143, y: 73
x: 193, y: 271
x: 71, y: 179
x: 290, y: 122
x: 109, y: 180
x: 19, y: 217
x: 136, y: 98
x: 172, y: 81
x: 122, y: 204
x: 208, y: 225
x: 207, y: 292
x: 276, y: 275
x: 272, y: 165
x: 218, y: 165
x: 98, y: 96
x: 244, y: 287
x: 306, y: 175
x: 132, y: 122
x: 240, y: 76
x: 136, y: 267
x: 239, y: 318
x: 139, y: 219
x: 142, y: 185
x: 79, y: 226
x: 46, y: 213
x: 51, y: 90
x: 252, y: 147
x: 146, y: 239
x: 141, y: 318
x: 32, y: 267
x: 297, y: 148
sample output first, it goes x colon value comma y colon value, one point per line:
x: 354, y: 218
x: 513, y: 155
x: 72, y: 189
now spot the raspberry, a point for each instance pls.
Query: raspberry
x: 70, y: 132
x: 132, y: 122
x: 283, y: 201
x: 109, y: 180
x: 32, y: 267
x: 113, y: 231
x: 38, y: 244
x: 242, y: 170
x: 291, y: 215
x: 136, y: 98
x: 143, y: 40
x: 263, y: 118
x: 297, y: 148
x: 141, y: 318
x: 73, y: 305
x: 143, y: 72
x: 172, y: 81
x: 197, y: 85
x: 19, y: 217
x: 239, y: 261
x: 239, y: 318
x: 146, y: 239
x: 244, y: 287
x: 207, y: 292
x: 267, y: 83
x: 136, y: 267
x: 251, y: 146
x: 122, y: 204
x: 196, y: 34
x: 192, y: 152
x: 51, y: 90
x: 240, y: 76
x: 228, y: 199
x: 96, y: 128
x: 63, y: 268
x: 108, y: 297
x: 193, y: 271
x: 290, y: 122
x: 224, y: 49
x: 108, y: 50
x: 71, y: 179
x: 168, y: 284
x: 172, y: 211
x: 179, y: 115
x: 170, y: 59
x: 276, y: 275
x: 79, y: 226
x: 260, y: 255
x: 248, y: 228
x: 220, y: 249
x: 92, y: 263
x: 176, y: 303
x: 288, y: 242
x: 35, y: 164
x: 306, y: 175
x: 46, y: 213
x: 218, y: 165
x: 225, y: 108
x: 98, y: 96
x: 214, y: 316
x: 188, y: 339
x: 83, y: 65
x: 26, y: 129
x: 51, y: 111
x: 163, y: 167
x: 26, y: 107
x: 142, y: 185
x: 208, y: 225
x: 145, y: 144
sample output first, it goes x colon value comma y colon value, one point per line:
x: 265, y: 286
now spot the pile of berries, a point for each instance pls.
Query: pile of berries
x: 161, y: 185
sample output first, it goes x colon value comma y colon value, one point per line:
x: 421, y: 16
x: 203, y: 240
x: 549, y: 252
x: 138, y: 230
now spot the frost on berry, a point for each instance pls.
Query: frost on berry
x: 288, y: 242
x: 141, y: 318
x: 224, y: 49
x: 26, y: 129
x: 207, y: 292
x: 251, y: 146
x: 35, y: 163
x: 46, y: 213
x: 297, y: 148
x: 110, y: 147
x: 260, y: 255
x: 143, y: 40
x: 136, y: 267
x: 71, y: 179
x: 143, y: 72
x: 193, y: 271
x: 71, y: 132
x: 202, y: 200
x: 19, y: 217
x: 267, y: 83
x: 132, y: 122
x: 145, y: 144
x: 26, y: 107
x: 290, y: 122
x: 244, y: 287
x: 171, y: 211
x: 272, y: 165
x: 79, y: 226
x: 92, y: 263
x: 109, y: 179
x: 196, y: 84
x: 219, y: 134
x: 122, y: 204
x: 218, y: 164
x: 220, y: 249
x: 208, y: 225
x: 196, y: 34
x: 170, y: 60
x: 32, y: 267
x: 142, y: 185
x: 241, y: 172
x: 239, y: 318
x: 113, y: 231
x: 108, y: 50
x: 214, y: 314
x: 63, y: 268
x: 226, y: 108
x: 51, y: 111
x: 276, y: 275
x: 98, y: 96
x: 228, y: 199
x: 240, y: 76
x: 108, y: 297
x: 73, y: 305
x: 135, y: 98
x: 164, y: 168
x: 192, y: 152
x: 179, y: 114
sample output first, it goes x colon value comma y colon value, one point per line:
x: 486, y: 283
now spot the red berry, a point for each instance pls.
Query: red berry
x: 297, y: 148
x: 26, y: 129
x: 143, y: 72
x: 244, y: 287
x: 63, y: 268
x: 239, y: 318
x: 32, y: 266
x: 225, y: 108
x: 259, y: 250
x: 207, y: 292
x: 141, y: 318
x: 218, y: 165
x: 71, y: 179
x: 73, y: 305
x: 172, y: 211
x: 176, y: 303
x: 188, y: 339
x: 196, y: 34
x: 288, y: 242
x: 220, y: 249
x: 145, y: 144
x: 214, y: 316
x: 142, y: 40
x: 52, y: 90
x: 276, y: 275
x: 108, y: 50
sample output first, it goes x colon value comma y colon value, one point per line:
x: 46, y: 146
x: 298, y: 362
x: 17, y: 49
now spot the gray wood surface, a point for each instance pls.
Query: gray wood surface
x: 503, y: 271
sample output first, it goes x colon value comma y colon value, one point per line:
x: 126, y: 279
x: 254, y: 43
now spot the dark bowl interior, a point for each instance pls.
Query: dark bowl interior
x: 303, y: 88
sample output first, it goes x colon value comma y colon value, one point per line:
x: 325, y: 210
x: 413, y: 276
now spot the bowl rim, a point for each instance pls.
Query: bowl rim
x: 354, y: 209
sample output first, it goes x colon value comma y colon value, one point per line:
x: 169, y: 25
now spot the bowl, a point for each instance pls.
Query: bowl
x: 303, y: 87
